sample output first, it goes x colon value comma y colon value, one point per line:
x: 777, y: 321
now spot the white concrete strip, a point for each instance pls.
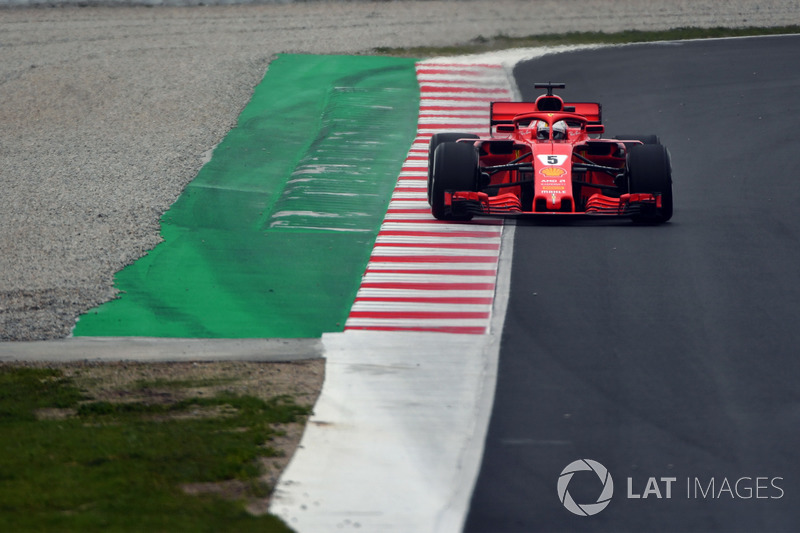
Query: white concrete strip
x: 418, y: 203
x: 410, y: 305
x: 402, y: 251
x: 425, y: 277
x: 387, y: 445
x: 414, y: 172
x: 161, y: 349
x: 416, y: 163
x: 427, y: 267
x: 454, y: 104
x: 412, y: 184
x: 413, y: 195
x: 436, y: 239
x: 450, y: 120
x: 434, y: 225
x: 462, y: 85
x: 474, y: 78
x: 478, y: 112
x: 477, y: 131
x: 416, y: 323
x: 368, y: 292
x: 414, y: 178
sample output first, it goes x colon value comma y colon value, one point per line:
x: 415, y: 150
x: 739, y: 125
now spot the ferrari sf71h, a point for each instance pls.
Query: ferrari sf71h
x: 547, y: 158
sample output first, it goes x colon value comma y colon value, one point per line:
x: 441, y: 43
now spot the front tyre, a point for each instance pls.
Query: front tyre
x: 436, y: 140
x: 455, y: 168
x: 650, y: 171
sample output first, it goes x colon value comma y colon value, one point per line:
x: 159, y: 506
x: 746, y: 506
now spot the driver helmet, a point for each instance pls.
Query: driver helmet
x: 542, y: 130
x: 560, y: 131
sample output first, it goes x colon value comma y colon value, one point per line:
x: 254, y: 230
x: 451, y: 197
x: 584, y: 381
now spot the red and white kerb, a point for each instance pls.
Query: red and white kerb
x: 424, y: 274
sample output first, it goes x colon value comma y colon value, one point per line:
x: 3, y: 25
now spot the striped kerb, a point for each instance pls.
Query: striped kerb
x: 423, y: 274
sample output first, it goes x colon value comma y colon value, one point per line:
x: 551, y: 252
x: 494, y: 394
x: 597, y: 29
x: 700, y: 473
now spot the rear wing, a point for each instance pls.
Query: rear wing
x: 504, y: 112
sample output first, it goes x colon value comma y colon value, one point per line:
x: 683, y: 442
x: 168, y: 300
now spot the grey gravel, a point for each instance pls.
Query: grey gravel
x: 108, y: 112
x: 158, y: 350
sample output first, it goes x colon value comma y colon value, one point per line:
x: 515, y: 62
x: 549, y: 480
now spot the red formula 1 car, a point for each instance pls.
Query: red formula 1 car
x: 546, y: 158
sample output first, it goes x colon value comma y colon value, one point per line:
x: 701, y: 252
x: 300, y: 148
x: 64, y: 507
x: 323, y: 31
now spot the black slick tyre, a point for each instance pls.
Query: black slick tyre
x: 455, y: 168
x: 650, y: 171
x: 436, y: 140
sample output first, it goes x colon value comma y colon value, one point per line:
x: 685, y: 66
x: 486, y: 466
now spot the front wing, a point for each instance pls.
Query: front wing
x: 459, y: 203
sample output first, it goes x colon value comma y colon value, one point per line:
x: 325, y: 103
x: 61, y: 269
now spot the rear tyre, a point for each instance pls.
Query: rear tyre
x: 436, y: 140
x: 455, y: 168
x: 650, y: 171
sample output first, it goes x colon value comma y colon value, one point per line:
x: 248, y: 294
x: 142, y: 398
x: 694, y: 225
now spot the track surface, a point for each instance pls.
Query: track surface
x: 665, y: 351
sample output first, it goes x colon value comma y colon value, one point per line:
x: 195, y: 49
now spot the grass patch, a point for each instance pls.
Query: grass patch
x: 502, y: 42
x: 123, y: 465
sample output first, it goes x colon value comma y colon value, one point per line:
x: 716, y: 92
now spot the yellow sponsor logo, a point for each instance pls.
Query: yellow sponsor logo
x: 552, y: 172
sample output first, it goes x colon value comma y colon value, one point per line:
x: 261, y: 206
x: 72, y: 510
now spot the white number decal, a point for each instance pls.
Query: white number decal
x: 552, y: 160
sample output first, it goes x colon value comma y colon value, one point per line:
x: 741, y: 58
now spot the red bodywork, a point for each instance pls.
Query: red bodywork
x: 519, y: 174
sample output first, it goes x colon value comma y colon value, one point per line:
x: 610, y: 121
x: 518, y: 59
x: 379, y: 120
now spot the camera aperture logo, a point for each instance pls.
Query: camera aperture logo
x: 585, y: 509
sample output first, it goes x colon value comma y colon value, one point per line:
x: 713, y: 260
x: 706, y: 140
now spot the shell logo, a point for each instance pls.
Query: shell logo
x: 552, y: 172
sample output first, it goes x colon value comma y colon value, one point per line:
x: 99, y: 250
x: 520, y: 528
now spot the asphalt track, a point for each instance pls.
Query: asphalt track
x: 666, y: 351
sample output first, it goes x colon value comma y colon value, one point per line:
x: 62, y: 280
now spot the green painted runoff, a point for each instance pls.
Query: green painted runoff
x: 272, y: 236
